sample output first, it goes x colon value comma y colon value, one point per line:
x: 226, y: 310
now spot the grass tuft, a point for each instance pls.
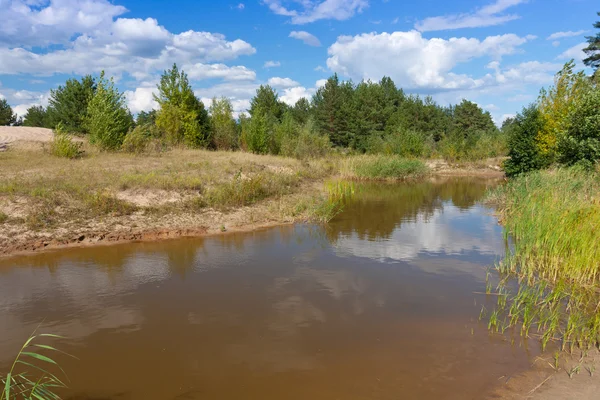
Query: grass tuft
x: 383, y: 168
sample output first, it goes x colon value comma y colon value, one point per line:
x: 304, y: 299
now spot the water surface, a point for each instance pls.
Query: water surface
x: 380, y: 304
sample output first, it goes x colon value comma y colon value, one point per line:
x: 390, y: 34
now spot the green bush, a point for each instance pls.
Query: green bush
x: 144, y: 138
x: 62, y: 144
x: 387, y: 167
x: 523, y: 148
x: 306, y: 143
x: 407, y: 143
x: 259, y: 134
x: 3, y: 217
x: 581, y: 143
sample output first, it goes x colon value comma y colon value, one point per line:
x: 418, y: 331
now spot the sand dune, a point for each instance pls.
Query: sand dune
x: 11, y: 134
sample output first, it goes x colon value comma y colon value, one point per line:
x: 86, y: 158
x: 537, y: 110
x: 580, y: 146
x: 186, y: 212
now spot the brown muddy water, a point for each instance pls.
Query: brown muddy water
x: 379, y: 304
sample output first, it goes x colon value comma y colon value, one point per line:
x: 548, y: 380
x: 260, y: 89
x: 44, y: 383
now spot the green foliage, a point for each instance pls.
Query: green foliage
x: 404, y: 143
x: 7, y: 117
x: 385, y: 167
x: 146, y: 118
x: 581, y: 141
x: 37, y: 116
x: 266, y: 102
x: 142, y: 139
x: 593, y: 49
x: 523, y: 148
x: 304, y: 142
x: 468, y: 118
x: 3, y: 217
x: 108, y: 118
x: 62, y: 144
x: 260, y: 133
x: 30, y: 376
x: 301, y: 111
x: 333, y: 108
x: 181, y: 116
x: 69, y: 104
x: 223, y: 125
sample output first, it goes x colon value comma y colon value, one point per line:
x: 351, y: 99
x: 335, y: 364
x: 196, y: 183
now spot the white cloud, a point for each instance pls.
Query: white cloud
x: 520, y: 98
x: 306, y: 37
x: 240, y: 6
x: 272, y: 64
x: 41, y: 23
x: 490, y: 15
x: 135, y: 46
x: 278, y: 82
x: 416, y: 62
x: 201, y: 71
x: 566, y: 34
x: 395, y: 20
x: 310, y: 11
x: 575, y: 52
x: 141, y: 99
x: 320, y: 83
x: 291, y: 95
x: 556, y: 43
x: 320, y: 68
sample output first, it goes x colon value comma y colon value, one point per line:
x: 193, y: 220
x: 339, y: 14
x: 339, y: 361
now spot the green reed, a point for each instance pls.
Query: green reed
x: 29, y: 377
x: 554, y: 220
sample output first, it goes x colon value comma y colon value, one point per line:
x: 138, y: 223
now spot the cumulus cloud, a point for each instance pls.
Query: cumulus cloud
x: 415, y: 62
x: 278, y: 82
x: 490, y: 15
x: 306, y: 37
x: 307, y: 11
x: 272, y: 64
x: 41, y: 22
x: 141, y: 99
x: 139, y: 47
x: 291, y: 95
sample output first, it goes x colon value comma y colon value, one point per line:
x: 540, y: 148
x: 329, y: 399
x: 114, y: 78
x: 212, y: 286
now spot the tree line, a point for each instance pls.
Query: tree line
x: 374, y: 117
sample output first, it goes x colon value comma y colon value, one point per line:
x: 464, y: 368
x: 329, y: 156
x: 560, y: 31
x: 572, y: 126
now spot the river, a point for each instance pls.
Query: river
x: 382, y: 303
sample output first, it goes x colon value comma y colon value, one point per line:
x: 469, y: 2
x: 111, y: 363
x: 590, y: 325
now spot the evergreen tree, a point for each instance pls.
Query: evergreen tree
x: 108, y: 120
x: 69, y: 103
x: 146, y: 118
x: 333, y: 106
x: 266, y: 101
x: 36, y: 116
x: 223, y: 125
x: 302, y: 110
x: 7, y: 117
x: 469, y: 118
x: 593, y: 49
x: 181, y: 116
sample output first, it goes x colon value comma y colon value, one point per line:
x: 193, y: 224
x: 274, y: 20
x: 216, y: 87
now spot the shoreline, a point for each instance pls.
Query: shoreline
x: 127, y: 229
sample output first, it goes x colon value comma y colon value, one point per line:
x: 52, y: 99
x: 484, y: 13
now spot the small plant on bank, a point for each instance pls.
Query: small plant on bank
x: 3, y: 217
x: 62, y: 144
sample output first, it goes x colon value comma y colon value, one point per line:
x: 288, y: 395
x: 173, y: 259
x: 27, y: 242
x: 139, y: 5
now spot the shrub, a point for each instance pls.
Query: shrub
x: 62, y: 144
x: 259, y: 134
x: 305, y: 144
x: 142, y: 139
x: 3, y: 217
x: 386, y: 167
x: 407, y: 143
x: 581, y: 142
x: 523, y: 148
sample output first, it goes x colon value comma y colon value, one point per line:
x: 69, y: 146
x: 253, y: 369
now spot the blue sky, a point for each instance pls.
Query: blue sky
x: 498, y: 53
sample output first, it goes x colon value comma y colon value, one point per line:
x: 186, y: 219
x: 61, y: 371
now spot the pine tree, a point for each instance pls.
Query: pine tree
x: 69, y: 103
x: 266, y: 101
x: 36, y: 116
x: 7, y: 117
x: 333, y: 108
x: 593, y: 49
x: 108, y: 120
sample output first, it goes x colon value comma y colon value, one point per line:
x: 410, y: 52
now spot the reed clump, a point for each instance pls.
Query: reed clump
x: 383, y: 168
x: 554, y: 219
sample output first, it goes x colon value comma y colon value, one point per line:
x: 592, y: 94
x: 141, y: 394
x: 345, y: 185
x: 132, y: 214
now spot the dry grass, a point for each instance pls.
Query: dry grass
x: 40, y: 193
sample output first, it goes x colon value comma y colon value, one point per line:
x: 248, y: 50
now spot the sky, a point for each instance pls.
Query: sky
x: 497, y: 53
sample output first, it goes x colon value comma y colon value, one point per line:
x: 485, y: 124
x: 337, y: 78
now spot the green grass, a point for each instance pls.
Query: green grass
x: 383, y: 168
x: 3, y: 217
x: 554, y: 219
